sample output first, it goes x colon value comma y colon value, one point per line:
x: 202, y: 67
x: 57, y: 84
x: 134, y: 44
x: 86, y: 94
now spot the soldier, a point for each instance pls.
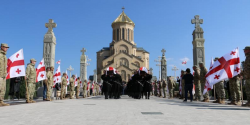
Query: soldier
x: 234, y: 86
x: 49, y: 83
x: 72, y: 86
x: 160, y: 87
x: 171, y: 85
x: 203, y: 73
x: 84, y: 88
x: 164, y: 85
x: 63, y: 86
x: 197, y: 83
x: 97, y: 88
x: 155, y: 88
x: 182, y: 85
x: 246, y: 74
x: 220, y: 91
x: 78, y: 88
x: 88, y: 89
x: 31, y: 80
x: 3, y: 72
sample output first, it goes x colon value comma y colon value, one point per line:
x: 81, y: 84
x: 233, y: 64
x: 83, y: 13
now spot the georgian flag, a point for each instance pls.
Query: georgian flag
x: 57, y: 75
x: 110, y: 69
x: 88, y: 86
x: 58, y: 62
x: 40, y: 71
x: 15, y: 65
x: 184, y: 62
x: 143, y: 69
x: 76, y: 81
x: 67, y: 77
x: 225, y: 67
x: 207, y: 86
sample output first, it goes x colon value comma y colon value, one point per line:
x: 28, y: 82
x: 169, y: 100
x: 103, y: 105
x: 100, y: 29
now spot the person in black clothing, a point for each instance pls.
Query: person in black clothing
x: 188, y: 84
x: 15, y: 87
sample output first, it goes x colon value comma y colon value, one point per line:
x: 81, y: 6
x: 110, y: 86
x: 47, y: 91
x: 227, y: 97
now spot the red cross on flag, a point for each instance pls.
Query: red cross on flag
x: 58, y: 62
x: 184, y: 62
x: 143, y: 69
x: 225, y: 67
x: 57, y: 76
x: 88, y: 86
x: 40, y: 71
x: 15, y: 65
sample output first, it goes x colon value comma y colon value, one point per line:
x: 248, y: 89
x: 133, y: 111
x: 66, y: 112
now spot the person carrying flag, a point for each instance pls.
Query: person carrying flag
x: 246, y: 74
x: 203, y: 73
x: 84, y: 88
x: 31, y: 80
x: 3, y: 72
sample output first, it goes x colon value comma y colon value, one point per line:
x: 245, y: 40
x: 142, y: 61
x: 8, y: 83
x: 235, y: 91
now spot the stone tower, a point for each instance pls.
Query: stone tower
x: 83, y: 65
x: 163, y: 66
x: 198, y: 41
x: 49, y: 44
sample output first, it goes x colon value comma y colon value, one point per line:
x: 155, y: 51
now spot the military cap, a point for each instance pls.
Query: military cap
x: 32, y: 59
x: 4, y: 45
x: 51, y: 66
x: 195, y: 66
x: 247, y: 47
x: 64, y: 74
x: 216, y: 58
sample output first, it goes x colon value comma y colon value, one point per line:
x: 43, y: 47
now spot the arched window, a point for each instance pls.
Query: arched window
x: 123, y: 48
x: 123, y: 32
x: 128, y: 35
x: 117, y: 34
x: 124, y: 62
x: 137, y: 64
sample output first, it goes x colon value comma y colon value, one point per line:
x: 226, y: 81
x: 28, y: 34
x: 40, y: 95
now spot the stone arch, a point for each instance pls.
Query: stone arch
x: 137, y: 64
x: 123, y: 61
x: 123, y: 48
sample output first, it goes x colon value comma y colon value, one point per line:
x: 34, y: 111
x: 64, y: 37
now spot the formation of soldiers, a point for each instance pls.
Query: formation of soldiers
x: 138, y: 85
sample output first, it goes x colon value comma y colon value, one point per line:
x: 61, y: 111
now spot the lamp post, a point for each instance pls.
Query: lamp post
x: 175, y: 69
x: 159, y: 64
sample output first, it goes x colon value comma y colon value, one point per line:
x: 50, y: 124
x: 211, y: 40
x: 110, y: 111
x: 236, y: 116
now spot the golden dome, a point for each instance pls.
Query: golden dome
x: 123, y: 18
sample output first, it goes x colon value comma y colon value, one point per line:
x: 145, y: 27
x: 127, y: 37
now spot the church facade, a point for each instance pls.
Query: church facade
x: 122, y: 53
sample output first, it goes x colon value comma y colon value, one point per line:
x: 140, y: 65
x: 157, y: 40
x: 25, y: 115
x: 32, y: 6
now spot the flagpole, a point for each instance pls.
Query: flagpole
x: 241, y: 91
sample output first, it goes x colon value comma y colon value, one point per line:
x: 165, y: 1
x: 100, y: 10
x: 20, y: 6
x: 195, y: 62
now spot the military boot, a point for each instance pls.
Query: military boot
x: 222, y: 101
x: 28, y: 101
x: 3, y: 104
x: 32, y: 101
x: 238, y: 102
x: 205, y: 100
x: 232, y: 103
x: 216, y: 101
x: 247, y: 104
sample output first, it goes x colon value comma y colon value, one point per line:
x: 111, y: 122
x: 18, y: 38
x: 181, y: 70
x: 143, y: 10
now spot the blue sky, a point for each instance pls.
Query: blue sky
x: 158, y: 24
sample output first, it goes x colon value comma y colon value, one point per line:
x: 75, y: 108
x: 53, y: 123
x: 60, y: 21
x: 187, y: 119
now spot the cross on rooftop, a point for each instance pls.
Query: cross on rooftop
x: 197, y: 21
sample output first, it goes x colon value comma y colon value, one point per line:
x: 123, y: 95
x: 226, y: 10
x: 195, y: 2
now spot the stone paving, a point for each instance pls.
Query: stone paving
x: 124, y: 111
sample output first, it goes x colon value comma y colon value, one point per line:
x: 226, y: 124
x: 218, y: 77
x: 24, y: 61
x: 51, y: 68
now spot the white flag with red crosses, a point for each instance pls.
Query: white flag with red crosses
x: 15, y: 65
x: 57, y: 75
x: 207, y: 86
x: 76, y: 82
x: 40, y: 71
x: 225, y: 67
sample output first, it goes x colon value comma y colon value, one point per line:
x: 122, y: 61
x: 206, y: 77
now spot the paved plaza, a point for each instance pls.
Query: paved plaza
x: 125, y: 111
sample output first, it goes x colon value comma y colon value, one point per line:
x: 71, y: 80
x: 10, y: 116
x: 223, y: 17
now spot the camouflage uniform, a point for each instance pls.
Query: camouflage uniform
x: 31, y: 80
x: 155, y: 88
x: 164, y: 85
x: 50, y: 82
x: 197, y: 84
x: 160, y: 87
x: 97, y: 88
x: 234, y: 86
x: 84, y: 88
x: 72, y: 87
x: 171, y: 85
x: 63, y: 87
x: 3, y: 73
x: 78, y: 89
x: 246, y: 73
x: 203, y: 73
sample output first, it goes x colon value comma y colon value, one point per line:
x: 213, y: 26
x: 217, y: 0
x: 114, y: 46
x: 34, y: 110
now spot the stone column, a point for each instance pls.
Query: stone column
x: 163, y: 66
x: 198, y: 41
x: 49, y: 44
x: 83, y: 65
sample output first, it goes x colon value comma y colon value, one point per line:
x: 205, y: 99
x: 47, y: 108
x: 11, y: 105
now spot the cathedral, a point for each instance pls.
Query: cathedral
x: 122, y: 53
